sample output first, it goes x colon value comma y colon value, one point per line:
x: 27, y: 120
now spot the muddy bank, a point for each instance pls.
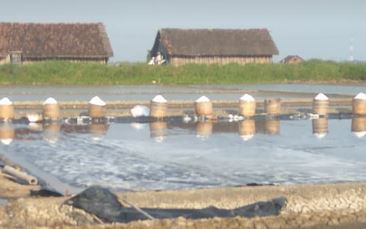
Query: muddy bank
x: 332, y: 206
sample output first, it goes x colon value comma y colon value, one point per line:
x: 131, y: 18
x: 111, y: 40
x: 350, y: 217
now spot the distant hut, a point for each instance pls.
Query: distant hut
x: 292, y: 59
x: 214, y: 46
x: 30, y: 42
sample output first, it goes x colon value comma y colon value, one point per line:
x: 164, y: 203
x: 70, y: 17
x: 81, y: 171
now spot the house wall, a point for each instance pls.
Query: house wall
x: 176, y: 61
x: 99, y: 60
x: 30, y: 61
x: 5, y: 60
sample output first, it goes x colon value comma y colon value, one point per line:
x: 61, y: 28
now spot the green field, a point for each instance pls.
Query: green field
x: 66, y: 73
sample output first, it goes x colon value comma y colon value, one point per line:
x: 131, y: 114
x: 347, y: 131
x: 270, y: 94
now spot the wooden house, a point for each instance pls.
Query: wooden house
x: 292, y: 59
x: 214, y: 46
x: 30, y: 42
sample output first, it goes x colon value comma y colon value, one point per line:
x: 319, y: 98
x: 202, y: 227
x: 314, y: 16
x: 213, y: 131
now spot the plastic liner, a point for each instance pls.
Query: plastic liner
x: 104, y: 204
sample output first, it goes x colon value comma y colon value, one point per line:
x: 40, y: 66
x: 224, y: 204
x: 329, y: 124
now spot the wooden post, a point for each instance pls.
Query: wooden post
x: 203, y: 107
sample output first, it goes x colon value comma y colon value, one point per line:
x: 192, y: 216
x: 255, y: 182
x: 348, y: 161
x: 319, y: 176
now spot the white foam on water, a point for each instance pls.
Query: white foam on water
x: 321, y: 97
x: 50, y: 100
x: 361, y: 96
x: 159, y: 99
x: 202, y: 99
x: 247, y: 137
x: 247, y: 98
x: 5, y: 101
x: 140, y: 111
x: 97, y: 101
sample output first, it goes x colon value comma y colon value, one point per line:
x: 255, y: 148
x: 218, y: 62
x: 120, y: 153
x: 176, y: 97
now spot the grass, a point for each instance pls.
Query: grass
x: 66, y: 73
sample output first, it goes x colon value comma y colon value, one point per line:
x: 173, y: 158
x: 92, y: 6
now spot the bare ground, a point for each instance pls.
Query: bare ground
x: 330, y: 206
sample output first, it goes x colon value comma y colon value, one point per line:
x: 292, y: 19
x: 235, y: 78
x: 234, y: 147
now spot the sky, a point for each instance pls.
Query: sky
x: 324, y: 29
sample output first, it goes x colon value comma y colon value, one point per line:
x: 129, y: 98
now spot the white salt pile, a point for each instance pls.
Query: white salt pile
x: 321, y: 96
x: 5, y: 101
x: 140, y: 111
x: 247, y: 98
x: 202, y: 99
x: 159, y: 99
x: 97, y: 101
x: 50, y: 100
x: 361, y: 96
x: 34, y: 117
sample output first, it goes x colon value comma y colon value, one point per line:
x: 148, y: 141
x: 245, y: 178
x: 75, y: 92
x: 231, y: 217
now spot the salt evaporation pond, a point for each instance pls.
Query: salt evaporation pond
x: 173, y: 155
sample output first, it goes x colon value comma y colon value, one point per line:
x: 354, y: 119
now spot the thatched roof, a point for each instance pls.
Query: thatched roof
x: 216, y: 42
x: 291, y: 58
x: 55, y: 40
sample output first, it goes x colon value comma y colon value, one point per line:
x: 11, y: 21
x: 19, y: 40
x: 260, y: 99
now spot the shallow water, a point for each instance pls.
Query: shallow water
x: 146, y: 92
x: 174, y: 154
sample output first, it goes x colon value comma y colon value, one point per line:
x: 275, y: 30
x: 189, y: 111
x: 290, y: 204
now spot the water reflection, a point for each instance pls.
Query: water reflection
x: 359, y: 126
x: 247, y: 129
x: 204, y: 129
x: 320, y: 127
x: 98, y: 130
x: 51, y: 132
x: 272, y: 126
x: 158, y: 130
x: 7, y: 133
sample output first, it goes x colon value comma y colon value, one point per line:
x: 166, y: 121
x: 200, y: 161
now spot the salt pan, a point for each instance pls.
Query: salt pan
x: 50, y: 100
x: 247, y: 98
x: 5, y: 101
x: 97, y: 101
x: 159, y: 99
x: 360, y: 96
x: 202, y: 99
x: 321, y: 96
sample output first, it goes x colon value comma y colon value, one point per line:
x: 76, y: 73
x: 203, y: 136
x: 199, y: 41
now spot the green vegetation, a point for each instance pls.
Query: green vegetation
x: 66, y: 73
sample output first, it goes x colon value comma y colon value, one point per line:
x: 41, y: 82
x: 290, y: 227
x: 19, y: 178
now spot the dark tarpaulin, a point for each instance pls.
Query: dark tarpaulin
x: 104, y: 204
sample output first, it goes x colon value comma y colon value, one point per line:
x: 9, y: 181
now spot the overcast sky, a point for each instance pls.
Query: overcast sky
x: 323, y: 29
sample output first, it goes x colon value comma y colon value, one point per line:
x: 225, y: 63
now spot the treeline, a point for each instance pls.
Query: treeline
x: 66, y: 73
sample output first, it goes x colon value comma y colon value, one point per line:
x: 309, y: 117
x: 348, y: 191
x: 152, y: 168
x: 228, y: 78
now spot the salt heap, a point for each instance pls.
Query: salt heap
x: 321, y: 96
x: 202, y: 99
x: 247, y: 98
x: 5, y: 101
x: 50, y: 100
x: 159, y: 99
x: 361, y: 96
x: 140, y: 111
x: 97, y: 101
